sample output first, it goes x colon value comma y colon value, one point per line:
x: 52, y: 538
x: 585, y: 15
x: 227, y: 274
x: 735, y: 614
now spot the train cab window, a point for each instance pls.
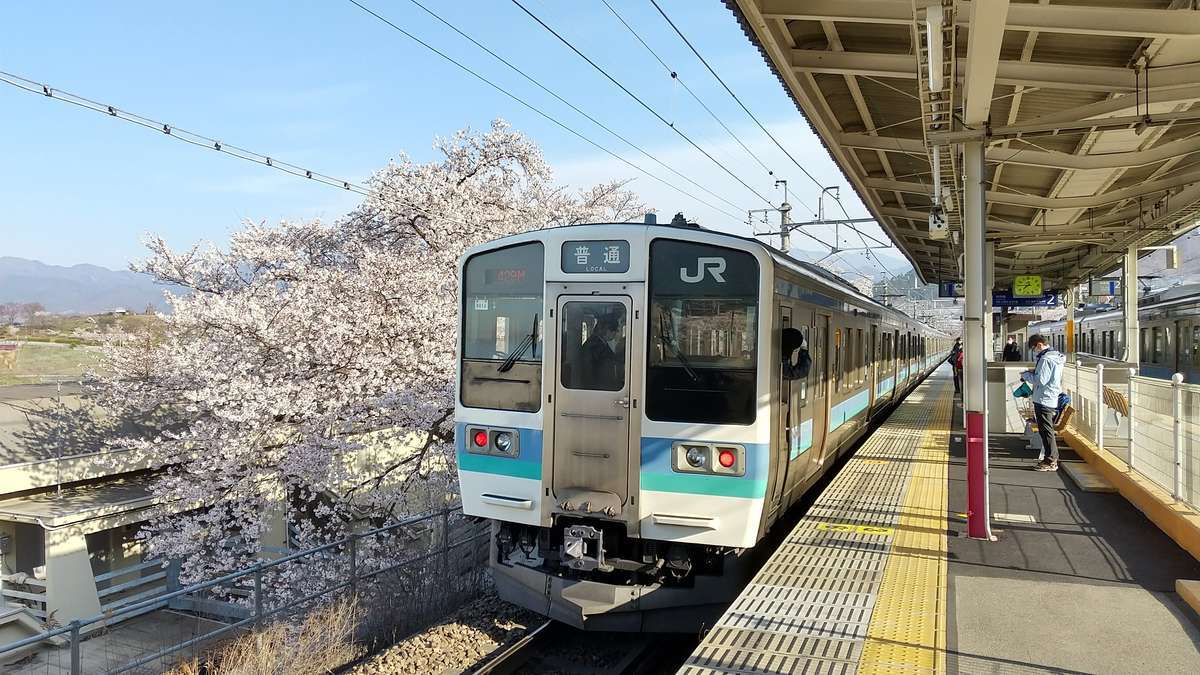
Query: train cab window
x: 703, y: 334
x: 502, y: 329
x: 593, y: 346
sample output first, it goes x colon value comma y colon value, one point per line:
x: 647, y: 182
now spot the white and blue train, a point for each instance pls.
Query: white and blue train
x: 636, y: 408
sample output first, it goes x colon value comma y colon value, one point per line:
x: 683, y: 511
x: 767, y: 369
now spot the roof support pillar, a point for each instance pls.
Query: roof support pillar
x: 1129, y: 307
x: 1069, y: 340
x: 977, y: 331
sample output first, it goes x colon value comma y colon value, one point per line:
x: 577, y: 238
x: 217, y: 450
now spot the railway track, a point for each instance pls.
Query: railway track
x: 555, y: 648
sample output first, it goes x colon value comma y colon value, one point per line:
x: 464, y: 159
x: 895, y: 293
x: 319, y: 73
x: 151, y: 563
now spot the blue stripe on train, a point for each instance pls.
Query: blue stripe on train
x: 885, y: 385
x: 847, y: 409
x: 801, y: 439
x: 527, y: 464
x: 657, y: 474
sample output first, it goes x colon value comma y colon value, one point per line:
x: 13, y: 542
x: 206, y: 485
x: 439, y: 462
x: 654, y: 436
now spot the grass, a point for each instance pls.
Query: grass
x: 34, y: 361
x: 322, y: 643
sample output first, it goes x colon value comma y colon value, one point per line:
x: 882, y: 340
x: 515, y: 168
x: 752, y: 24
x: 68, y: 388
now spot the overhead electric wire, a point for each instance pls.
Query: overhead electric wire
x: 636, y: 98
x: 534, y: 108
x: 572, y: 106
x: 675, y: 76
x: 199, y: 140
x: 746, y: 109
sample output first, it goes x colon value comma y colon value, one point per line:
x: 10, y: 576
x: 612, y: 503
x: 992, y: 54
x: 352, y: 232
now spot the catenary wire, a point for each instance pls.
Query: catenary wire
x: 534, y: 108
x: 675, y: 76
x: 748, y: 112
x: 199, y: 140
x: 640, y: 102
x: 567, y: 103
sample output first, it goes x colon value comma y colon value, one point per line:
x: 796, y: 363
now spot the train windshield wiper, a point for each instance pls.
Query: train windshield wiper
x: 668, y: 341
x: 528, y: 342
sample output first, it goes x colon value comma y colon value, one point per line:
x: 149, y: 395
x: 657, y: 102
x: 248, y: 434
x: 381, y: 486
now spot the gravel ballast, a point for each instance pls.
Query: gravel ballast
x: 457, y: 643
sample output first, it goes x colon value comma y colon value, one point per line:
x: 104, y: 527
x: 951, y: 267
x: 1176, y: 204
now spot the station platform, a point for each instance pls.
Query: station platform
x: 878, y: 575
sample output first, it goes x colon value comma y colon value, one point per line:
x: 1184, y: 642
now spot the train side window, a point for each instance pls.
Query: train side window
x: 803, y: 384
x: 1196, y: 345
x: 862, y: 356
x: 819, y: 360
x: 1156, y: 353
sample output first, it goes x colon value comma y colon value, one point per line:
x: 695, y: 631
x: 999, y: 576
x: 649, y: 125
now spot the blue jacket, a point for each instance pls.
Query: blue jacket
x: 1046, y: 378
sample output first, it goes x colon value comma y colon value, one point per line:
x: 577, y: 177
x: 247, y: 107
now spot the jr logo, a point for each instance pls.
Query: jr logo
x: 715, y: 267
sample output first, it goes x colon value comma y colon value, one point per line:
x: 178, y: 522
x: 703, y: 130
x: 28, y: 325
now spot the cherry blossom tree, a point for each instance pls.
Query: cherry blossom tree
x: 305, y: 344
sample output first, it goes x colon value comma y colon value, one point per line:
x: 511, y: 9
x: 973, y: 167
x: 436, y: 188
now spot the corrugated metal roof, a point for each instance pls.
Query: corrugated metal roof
x: 1074, y: 68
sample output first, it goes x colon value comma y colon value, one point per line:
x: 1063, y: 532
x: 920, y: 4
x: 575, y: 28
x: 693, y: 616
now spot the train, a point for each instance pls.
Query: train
x: 637, y: 405
x: 1168, y: 333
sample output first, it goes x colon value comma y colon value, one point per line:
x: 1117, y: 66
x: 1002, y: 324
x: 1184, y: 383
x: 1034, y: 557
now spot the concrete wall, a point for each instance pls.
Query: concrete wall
x: 51, y: 472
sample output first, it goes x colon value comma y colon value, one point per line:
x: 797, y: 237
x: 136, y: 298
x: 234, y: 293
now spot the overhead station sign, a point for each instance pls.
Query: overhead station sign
x: 1007, y: 299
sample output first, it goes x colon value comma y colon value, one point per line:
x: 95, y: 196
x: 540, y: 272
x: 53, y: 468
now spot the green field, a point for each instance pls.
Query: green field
x: 35, y: 360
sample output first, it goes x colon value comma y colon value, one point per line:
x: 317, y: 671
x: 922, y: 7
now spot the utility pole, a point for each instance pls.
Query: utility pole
x: 785, y: 220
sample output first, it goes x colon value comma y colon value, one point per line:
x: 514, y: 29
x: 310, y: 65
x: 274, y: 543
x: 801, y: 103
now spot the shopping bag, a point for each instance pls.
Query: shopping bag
x: 1022, y: 391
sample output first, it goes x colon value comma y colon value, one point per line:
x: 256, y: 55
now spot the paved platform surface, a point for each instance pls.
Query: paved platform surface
x: 877, y: 576
x: 1086, y: 584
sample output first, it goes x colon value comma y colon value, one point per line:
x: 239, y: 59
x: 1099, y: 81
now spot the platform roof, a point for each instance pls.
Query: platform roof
x: 1079, y: 166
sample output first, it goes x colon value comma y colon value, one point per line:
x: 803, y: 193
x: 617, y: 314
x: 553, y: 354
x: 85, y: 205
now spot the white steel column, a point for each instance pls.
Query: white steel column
x: 989, y: 285
x: 1069, y: 339
x: 985, y: 38
x: 976, y: 331
x: 1129, y: 306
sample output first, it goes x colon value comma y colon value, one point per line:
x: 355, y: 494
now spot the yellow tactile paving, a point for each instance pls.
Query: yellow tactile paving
x: 907, y: 631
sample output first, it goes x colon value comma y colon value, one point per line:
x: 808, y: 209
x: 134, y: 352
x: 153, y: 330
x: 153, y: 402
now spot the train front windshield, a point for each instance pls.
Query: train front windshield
x: 503, y: 329
x: 703, y: 350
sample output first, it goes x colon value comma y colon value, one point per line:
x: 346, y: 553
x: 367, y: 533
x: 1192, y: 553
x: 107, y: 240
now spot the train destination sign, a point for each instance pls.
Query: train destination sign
x: 596, y: 256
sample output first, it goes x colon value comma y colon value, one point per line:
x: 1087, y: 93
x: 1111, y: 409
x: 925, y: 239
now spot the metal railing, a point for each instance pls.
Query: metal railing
x: 443, y: 548
x: 1153, y: 425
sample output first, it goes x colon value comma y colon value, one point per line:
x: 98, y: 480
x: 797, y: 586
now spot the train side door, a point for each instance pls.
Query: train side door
x: 780, y: 458
x: 873, y: 372
x: 822, y: 387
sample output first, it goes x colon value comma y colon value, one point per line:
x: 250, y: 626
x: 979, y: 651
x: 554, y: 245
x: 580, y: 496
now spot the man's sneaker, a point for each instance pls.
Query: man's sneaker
x: 1046, y: 466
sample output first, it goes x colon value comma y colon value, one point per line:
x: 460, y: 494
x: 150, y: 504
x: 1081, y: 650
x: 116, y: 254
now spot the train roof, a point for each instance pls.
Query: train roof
x: 811, y: 270
x: 1174, y: 296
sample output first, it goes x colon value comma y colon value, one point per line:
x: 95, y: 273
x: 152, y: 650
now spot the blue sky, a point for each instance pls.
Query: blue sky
x: 324, y: 85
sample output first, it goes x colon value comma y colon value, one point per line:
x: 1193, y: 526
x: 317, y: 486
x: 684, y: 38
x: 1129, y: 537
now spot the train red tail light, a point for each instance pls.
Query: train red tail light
x: 726, y: 457
x: 480, y: 439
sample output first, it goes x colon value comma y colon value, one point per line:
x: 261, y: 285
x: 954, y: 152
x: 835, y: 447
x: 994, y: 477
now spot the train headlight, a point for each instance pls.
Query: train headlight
x: 697, y: 457
x: 503, y: 441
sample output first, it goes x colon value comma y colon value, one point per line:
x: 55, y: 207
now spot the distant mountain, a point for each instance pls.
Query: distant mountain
x: 82, y: 289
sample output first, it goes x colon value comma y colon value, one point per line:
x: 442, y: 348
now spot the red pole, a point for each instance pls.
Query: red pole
x: 977, y: 477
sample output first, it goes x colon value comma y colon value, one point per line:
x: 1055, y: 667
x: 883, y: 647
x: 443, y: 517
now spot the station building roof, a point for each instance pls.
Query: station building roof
x: 1087, y: 109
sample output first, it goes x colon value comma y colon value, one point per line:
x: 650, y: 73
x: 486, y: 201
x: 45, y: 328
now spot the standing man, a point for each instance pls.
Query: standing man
x: 1011, y: 351
x: 956, y: 362
x: 1046, y: 380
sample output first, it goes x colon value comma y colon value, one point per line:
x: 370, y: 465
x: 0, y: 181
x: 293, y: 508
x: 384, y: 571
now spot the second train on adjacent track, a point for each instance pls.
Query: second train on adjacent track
x: 626, y: 419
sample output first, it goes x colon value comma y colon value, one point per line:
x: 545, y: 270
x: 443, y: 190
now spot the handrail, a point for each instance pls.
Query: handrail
x: 161, y: 600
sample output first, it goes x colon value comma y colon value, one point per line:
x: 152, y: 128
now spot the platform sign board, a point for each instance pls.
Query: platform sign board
x: 950, y: 289
x: 1104, y: 287
x: 1006, y: 299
